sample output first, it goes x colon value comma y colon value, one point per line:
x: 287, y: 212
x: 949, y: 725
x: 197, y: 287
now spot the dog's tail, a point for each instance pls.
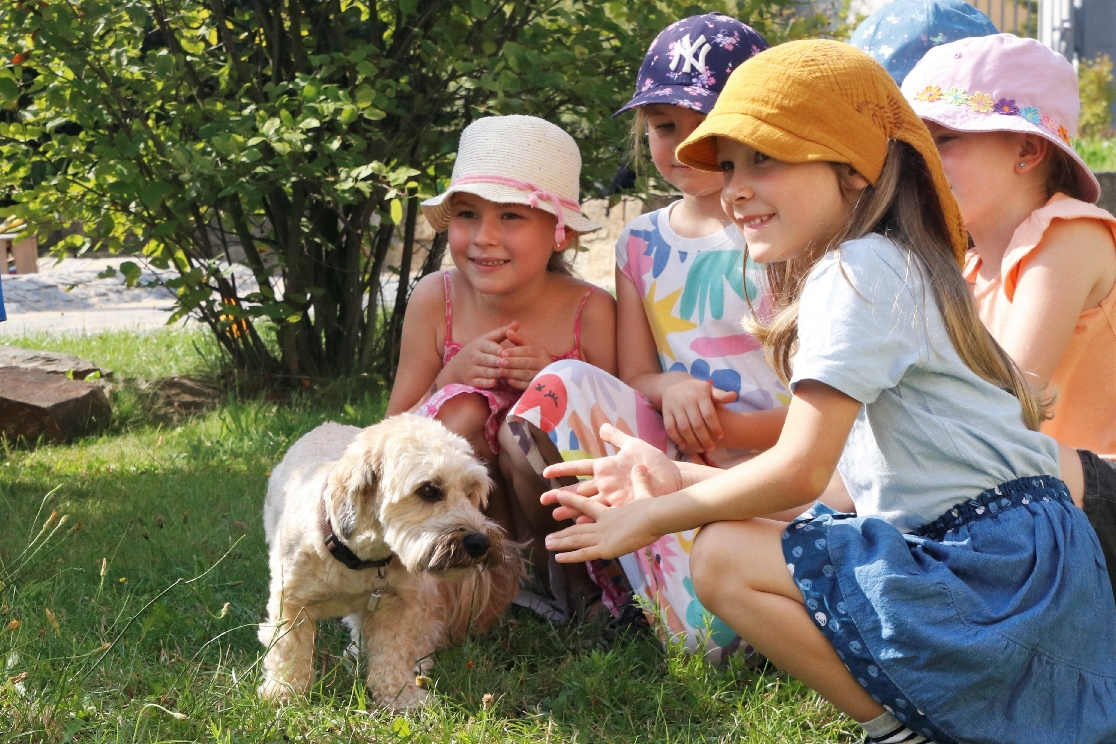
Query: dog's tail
x: 478, y: 601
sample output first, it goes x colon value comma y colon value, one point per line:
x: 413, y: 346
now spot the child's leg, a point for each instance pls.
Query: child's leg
x: 533, y: 521
x: 466, y: 415
x: 758, y: 598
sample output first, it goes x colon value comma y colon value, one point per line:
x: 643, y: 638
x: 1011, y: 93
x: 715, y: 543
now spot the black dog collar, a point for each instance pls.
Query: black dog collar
x: 340, y: 550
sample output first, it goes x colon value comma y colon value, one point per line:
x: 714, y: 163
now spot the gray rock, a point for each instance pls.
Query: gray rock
x: 36, y: 404
x: 1108, y: 190
x: 52, y: 362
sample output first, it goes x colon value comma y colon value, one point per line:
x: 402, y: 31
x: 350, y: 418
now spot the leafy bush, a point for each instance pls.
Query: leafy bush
x: 1098, y: 94
x: 299, y: 137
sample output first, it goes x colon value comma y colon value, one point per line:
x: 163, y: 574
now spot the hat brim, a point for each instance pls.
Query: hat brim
x: 672, y: 95
x: 700, y: 150
x: 437, y: 210
x: 964, y: 119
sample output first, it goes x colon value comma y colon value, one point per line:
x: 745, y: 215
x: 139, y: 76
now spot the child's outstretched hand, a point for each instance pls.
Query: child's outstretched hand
x: 478, y: 362
x: 612, y: 483
x: 611, y: 531
x: 690, y: 415
x: 520, y: 363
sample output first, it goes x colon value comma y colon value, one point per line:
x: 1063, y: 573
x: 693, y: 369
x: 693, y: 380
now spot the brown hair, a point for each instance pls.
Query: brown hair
x: 636, y: 145
x: 898, y: 207
x: 1061, y: 174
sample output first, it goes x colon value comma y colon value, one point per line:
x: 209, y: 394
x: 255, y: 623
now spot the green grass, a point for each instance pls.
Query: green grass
x: 1098, y: 154
x: 161, y: 646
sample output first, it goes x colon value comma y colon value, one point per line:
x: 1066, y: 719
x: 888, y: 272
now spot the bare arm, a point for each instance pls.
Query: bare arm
x: 794, y: 472
x: 419, y: 359
x: 754, y: 430
x: 1071, y: 271
x: 598, y: 331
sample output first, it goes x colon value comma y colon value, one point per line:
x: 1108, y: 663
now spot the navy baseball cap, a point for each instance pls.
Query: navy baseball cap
x: 690, y: 61
x: 900, y: 33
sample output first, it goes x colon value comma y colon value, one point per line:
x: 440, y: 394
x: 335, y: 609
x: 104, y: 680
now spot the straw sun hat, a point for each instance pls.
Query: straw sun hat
x: 517, y: 160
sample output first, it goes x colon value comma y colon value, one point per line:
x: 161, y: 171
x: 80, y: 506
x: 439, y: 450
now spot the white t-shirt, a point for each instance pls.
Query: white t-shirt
x: 931, y: 433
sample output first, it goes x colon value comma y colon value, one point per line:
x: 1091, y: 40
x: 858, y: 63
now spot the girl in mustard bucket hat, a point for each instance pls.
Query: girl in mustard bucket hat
x: 958, y: 604
x: 475, y: 335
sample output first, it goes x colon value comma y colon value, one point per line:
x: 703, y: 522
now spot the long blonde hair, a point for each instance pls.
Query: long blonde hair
x: 898, y: 207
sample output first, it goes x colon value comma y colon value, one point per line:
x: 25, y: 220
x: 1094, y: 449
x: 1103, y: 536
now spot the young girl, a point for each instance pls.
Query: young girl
x: 958, y: 604
x: 691, y: 380
x: 475, y: 336
x: 1043, y: 261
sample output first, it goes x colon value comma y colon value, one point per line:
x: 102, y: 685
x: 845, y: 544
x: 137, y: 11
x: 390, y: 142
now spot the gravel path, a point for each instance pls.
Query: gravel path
x: 68, y: 297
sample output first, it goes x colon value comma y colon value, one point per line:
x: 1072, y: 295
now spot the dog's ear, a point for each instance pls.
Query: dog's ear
x: 354, y: 481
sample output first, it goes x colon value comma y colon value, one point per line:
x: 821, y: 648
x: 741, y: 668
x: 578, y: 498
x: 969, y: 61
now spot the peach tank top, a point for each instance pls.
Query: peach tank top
x: 1085, y: 378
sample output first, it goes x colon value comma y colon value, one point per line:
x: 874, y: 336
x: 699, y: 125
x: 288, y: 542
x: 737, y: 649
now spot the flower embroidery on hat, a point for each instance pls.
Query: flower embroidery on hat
x: 956, y: 97
x: 981, y: 103
x: 1007, y: 107
x: 930, y: 93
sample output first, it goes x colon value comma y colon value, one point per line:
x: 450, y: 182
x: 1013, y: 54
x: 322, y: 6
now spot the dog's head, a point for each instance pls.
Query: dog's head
x: 410, y: 486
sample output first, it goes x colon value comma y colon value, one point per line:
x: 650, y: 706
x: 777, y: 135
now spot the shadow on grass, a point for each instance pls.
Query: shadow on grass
x: 159, y: 504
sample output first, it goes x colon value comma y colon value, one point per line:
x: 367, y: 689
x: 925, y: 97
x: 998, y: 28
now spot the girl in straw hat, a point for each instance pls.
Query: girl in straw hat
x: 692, y: 381
x: 474, y: 336
x: 1043, y: 261
x: 959, y: 602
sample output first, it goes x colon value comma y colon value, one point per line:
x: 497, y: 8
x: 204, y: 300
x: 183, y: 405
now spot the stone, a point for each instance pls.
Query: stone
x: 1107, y: 199
x: 174, y: 398
x: 52, y: 362
x: 36, y: 404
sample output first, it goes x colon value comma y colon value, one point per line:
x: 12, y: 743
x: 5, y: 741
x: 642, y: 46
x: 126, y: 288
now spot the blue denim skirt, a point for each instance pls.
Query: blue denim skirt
x: 993, y: 624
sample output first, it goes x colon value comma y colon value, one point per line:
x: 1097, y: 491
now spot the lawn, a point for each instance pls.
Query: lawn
x: 140, y: 625
x: 1098, y: 154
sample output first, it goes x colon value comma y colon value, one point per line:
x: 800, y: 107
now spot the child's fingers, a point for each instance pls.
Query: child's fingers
x: 699, y: 431
x: 499, y: 334
x: 518, y: 338
x: 680, y: 429
x: 723, y: 396
x: 574, y: 467
x: 614, y: 436
x: 582, y: 488
x: 710, y: 419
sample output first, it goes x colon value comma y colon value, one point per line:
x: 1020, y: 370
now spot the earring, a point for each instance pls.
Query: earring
x: 1022, y: 165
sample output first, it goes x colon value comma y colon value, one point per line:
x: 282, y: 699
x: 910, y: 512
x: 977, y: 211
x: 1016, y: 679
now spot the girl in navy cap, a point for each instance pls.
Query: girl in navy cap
x: 692, y: 382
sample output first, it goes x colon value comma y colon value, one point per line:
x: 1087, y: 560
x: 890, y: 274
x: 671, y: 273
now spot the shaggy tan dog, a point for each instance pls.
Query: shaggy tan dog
x: 389, y: 534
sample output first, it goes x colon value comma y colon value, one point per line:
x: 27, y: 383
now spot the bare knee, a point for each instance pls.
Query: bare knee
x: 466, y: 415
x: 710, y: 558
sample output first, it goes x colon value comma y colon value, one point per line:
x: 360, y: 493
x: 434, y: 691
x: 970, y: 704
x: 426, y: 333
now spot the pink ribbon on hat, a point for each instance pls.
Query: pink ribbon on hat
x: 534, y: 194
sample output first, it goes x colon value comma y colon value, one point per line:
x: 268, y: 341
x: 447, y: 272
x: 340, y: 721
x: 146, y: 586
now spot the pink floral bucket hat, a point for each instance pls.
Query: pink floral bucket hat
x: 1002, y: 83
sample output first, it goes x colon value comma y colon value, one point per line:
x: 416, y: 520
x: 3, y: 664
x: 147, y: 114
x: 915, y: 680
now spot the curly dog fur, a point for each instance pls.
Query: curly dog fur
x: 408, y: 489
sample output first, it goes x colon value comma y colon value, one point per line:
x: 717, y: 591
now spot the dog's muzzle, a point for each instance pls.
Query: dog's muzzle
x: 464, y: 549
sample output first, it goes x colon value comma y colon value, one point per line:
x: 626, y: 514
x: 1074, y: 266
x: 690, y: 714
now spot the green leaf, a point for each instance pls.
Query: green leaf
x: 396, y: 211
x: 152, y: 193
x: 9, y: 90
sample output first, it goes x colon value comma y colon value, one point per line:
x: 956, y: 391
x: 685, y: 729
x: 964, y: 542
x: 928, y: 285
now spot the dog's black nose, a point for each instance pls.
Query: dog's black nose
x: 475, y: 544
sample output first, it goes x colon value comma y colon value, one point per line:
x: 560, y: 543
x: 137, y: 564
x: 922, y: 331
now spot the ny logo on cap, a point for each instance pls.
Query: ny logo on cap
x: 684, y: 49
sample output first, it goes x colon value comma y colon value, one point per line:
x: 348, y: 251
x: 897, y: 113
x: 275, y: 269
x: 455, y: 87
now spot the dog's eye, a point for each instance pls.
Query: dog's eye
x: 430, y: 492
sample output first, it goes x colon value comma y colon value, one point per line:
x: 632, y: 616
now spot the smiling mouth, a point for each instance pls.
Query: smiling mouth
x: 490, y: 264
x: 753, y: 223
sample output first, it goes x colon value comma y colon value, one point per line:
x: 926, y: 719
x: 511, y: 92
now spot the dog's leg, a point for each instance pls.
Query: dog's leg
x: 392, y: 636
x: 289, y: 663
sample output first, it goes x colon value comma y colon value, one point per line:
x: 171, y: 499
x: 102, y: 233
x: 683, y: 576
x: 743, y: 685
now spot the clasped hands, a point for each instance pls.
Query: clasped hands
x: 613, y: 509
x: 503, y: 353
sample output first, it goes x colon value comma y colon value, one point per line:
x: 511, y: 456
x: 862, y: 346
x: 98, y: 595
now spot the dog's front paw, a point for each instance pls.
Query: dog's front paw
x: 397, y: 697
x: 411, y: 696
x: 275, y: 691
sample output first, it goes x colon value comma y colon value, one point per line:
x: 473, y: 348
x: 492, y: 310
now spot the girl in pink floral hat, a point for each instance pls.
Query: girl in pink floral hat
x: 1002, y: 111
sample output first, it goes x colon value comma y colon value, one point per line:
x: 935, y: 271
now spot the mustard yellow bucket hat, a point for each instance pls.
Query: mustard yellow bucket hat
x: 820, y: 100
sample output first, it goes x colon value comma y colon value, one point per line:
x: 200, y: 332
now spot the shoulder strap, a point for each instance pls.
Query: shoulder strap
x: 577, y: 320
x: 449, y: 309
